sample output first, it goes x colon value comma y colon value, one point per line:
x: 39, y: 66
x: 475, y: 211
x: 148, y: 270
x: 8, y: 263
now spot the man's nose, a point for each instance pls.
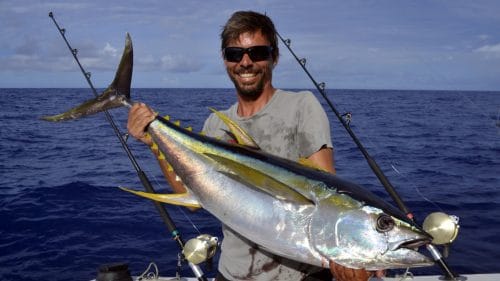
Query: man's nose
x: 246, y: 60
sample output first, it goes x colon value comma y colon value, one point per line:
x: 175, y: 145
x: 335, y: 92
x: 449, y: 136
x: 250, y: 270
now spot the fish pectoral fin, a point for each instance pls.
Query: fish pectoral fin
x: 258, y: 180
x: 180, y: 199
x: 235, y: 131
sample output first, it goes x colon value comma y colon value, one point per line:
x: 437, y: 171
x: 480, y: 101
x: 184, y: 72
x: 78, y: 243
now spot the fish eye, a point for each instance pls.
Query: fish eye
x: 385, y: 223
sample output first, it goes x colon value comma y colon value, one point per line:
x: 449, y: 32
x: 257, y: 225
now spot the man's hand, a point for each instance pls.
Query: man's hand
x: 342, y: 273
x: 139, y: 117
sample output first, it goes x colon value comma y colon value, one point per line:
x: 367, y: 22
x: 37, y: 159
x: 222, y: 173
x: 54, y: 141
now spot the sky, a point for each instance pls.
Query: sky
x: 384, y: 44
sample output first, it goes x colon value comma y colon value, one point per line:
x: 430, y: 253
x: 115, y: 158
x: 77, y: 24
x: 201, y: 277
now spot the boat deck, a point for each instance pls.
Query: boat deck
x: 468, y: 277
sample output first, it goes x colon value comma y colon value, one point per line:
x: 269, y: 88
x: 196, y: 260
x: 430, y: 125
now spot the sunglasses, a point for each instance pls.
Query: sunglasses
x: 256, y: 53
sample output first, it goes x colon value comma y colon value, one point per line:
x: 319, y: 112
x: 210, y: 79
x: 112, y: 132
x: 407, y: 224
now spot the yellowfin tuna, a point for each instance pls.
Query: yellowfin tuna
x: 290, y: 209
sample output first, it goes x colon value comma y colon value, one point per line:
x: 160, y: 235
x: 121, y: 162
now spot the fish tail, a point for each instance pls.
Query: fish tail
x: 116, y: 95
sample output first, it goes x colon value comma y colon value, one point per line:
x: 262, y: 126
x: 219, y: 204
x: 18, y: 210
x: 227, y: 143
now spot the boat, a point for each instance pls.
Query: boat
x: 468, y: 277
x: 119, y: 271
x: 471, y: 277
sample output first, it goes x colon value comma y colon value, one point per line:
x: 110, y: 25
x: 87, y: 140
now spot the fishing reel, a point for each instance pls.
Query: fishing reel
x: 200, y: 249
x: 443, y: 228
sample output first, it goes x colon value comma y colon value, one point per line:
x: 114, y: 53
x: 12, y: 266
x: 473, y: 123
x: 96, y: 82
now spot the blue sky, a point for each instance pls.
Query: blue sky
x: 386, y: 44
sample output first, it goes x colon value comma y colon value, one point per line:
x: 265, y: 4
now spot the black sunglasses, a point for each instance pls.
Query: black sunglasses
x: 256, y: 53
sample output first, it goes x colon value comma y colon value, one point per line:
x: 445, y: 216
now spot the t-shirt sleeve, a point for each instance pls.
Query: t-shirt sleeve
x: 314, y: 127
x: 211, y: 125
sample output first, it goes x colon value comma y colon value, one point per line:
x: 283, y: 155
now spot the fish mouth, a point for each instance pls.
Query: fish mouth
x: 413, y: 243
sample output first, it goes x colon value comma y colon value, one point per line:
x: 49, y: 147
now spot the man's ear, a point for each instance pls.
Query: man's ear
x: 275, y: 62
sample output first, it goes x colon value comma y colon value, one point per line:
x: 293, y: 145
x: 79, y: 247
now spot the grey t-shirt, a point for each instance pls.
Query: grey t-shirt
x: 291, y: 125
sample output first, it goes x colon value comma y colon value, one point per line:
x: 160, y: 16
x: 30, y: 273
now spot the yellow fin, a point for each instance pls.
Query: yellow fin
x: 241, y: 136
x: 177, y: 122
x: 161, y: 156
x: 181, y: 199
x: 154, y: 146
x: 259, y: 180
x: 166, y: 117
x: 169, y: 167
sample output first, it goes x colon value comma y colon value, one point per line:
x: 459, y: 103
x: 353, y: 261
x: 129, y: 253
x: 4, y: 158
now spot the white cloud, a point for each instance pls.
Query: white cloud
x: 109, y: 50
x: 489, y: 50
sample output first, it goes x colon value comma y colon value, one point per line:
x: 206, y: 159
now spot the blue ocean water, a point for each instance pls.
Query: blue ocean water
x: 62, y: 214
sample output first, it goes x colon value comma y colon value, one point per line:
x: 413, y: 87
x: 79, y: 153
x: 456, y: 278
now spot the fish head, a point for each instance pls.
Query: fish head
x: 363, y: 236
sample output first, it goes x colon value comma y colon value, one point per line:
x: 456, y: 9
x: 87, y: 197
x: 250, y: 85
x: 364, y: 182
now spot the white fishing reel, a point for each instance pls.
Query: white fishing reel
x: 442, y: 227
x: 200, y: 249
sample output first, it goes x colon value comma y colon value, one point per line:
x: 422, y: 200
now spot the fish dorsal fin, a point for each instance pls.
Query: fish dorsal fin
x: 180, y: 199
x: 236, y: 132
x: 308, y: 163
x: 256, y: 179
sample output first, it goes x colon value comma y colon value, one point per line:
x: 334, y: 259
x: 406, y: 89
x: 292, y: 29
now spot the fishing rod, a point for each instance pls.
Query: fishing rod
x: 140, y: 173
x: 371, y: 161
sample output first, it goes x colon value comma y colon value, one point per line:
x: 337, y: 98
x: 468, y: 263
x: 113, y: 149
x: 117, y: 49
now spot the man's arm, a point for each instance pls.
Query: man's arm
x: 323, y: 158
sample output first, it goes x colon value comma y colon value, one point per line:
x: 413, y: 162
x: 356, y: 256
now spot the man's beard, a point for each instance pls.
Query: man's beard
x: 248, y: 92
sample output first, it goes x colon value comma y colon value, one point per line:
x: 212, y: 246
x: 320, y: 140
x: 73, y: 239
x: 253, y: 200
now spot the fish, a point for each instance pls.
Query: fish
x: 290, y: 209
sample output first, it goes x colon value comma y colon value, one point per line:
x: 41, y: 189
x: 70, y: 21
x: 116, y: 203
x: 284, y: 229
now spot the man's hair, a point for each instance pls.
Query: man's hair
x: 252, y: 22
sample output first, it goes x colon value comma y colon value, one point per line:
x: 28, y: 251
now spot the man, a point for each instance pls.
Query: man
x: 290, y: 125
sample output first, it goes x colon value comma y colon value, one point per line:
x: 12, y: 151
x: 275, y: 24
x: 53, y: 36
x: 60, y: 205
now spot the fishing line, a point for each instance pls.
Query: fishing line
x: 183, y: 211
x: 416, y: 188
x: 140, y: 173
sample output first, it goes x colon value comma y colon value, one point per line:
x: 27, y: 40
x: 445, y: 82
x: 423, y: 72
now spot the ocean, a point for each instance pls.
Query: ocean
x: 62, y: 214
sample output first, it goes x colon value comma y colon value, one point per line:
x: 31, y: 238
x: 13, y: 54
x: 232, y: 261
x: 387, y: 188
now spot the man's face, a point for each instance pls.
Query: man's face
x: 250, y: 77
